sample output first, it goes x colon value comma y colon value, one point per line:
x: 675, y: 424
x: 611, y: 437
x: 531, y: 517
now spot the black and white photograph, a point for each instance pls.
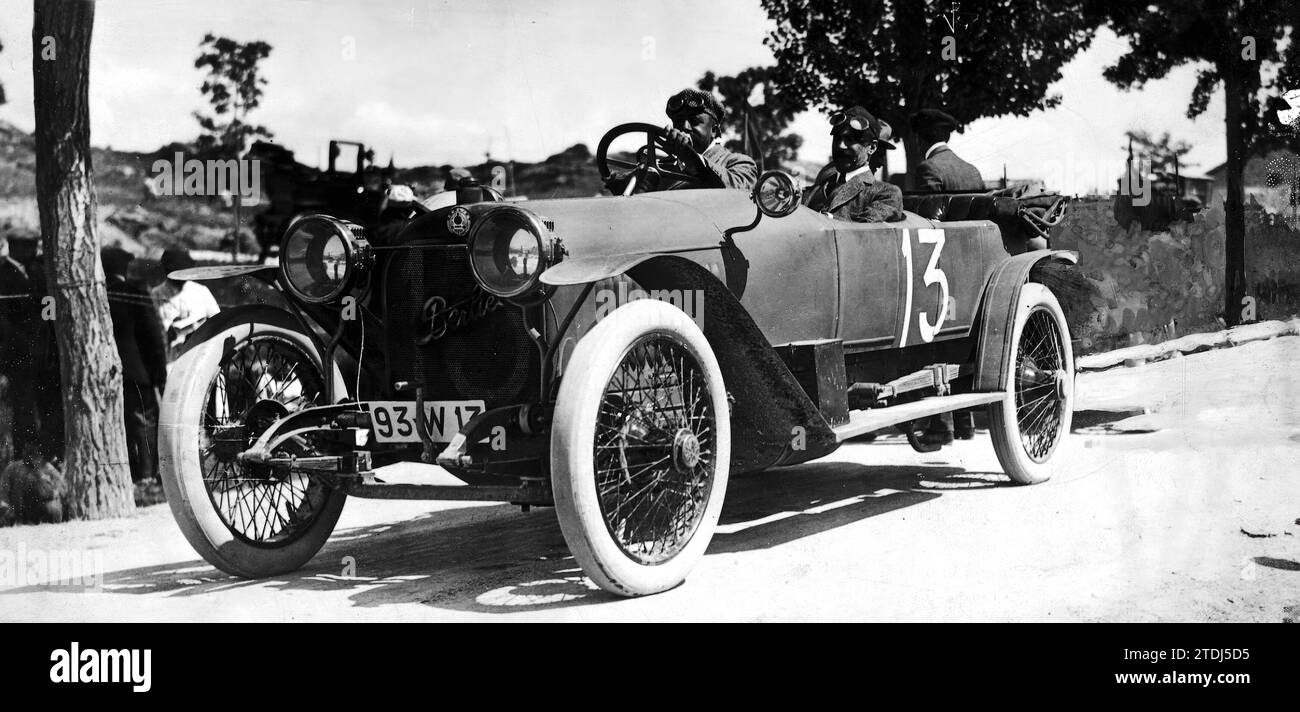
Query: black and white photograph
x: 839, y: 311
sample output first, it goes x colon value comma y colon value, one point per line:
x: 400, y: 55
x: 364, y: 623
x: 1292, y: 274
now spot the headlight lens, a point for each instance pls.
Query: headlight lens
x: 524, y: 254
x: 321, y: 256
x: 776, y: 194
x: 508, y: 253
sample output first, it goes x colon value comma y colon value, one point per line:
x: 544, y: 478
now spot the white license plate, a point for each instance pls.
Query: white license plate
x: 394, y: 421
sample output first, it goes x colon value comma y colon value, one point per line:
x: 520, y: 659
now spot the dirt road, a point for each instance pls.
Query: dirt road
x: 1170, y: 465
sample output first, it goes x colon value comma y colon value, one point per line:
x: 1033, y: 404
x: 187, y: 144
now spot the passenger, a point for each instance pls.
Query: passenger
x: 845, y: 189
x: 885, y: 142
x: 941, y: 171
x: 693, y: 139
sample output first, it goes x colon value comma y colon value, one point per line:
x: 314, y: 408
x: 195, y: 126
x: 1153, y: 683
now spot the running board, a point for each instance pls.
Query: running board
x: 528, y: 493
x: 865, y: 421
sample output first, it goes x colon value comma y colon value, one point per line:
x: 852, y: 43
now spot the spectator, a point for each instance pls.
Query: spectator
x: 18, y: 316
x: 139, y: 339
x: 182, y: 305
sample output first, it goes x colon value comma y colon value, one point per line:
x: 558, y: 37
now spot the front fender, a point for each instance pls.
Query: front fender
x: 774, y: 422
x: 250, y: 313
x: 997, y: 315
x: 198, y: 274
x: 273, y: 316
x: 593, y: 269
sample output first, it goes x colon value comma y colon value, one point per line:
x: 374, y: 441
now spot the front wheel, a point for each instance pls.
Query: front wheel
x: 640, y: 449
x: 1033, y: 418
x: 245, y: 519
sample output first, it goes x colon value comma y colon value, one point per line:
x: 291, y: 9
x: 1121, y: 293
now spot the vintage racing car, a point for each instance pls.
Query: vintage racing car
x: 616, y: 357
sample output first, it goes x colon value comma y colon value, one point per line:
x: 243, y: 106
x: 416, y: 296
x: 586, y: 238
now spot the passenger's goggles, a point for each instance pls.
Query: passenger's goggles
x: 854, y: 122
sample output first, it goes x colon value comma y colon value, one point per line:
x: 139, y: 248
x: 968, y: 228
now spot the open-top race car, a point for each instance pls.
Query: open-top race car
x: 616, y: 357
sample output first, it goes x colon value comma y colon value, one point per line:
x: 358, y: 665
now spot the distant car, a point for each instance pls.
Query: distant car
x: 295, y: 190
x: 510, y: 344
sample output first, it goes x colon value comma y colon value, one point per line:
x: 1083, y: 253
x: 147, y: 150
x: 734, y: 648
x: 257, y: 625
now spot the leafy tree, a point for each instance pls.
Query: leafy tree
x: 96, y: 466
x: 1248, y: 46
x: 1162, y: 152
x: 234, y: 87
x: 759, y: 130
x: 896, y: 57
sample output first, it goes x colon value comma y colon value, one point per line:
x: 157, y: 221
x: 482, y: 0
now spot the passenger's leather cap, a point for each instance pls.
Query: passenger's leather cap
x: 934, y: 119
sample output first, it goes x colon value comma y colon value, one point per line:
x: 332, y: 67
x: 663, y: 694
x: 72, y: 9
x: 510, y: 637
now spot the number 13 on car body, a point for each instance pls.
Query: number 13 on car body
x: 917, y: 307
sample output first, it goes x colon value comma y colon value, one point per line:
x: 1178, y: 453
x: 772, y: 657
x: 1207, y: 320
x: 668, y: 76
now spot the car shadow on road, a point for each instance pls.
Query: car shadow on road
x: 774, y: 508
x: 1108, y: 422
x: 496, y: 559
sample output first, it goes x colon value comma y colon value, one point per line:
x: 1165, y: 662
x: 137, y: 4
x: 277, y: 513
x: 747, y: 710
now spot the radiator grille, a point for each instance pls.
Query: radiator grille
x: 491, y: 358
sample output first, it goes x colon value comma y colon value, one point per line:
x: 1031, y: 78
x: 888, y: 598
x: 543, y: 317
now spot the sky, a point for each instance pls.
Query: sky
x: 447, y: 81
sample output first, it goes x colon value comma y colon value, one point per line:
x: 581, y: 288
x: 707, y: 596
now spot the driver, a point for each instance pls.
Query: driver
x: 845, y: 188
x: 692, y: 138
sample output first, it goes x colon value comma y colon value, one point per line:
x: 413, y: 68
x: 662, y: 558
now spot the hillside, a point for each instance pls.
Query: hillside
x: 569, y: 174
x: 129, y: 217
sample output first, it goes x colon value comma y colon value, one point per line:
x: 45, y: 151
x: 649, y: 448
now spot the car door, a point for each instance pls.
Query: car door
x: 870, y: 276
x: 792, y: 278
x: 911, y: 282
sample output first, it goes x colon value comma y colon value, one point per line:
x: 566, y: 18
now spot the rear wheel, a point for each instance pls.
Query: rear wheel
x: 1033, y: 418
x: 248, y: 520
x: 640, y: 449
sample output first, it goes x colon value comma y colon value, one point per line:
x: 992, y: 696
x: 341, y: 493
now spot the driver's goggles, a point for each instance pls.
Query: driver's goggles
x: 855, y: 123
x: 677, y: 101
x: 692, y: 103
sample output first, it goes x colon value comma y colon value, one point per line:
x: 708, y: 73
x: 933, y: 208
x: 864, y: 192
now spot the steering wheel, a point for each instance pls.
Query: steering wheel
x: 653, y: 161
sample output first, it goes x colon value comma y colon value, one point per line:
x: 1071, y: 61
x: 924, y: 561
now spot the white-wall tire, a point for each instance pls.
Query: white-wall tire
x: 653, y: 334
x: 1033, y: 418
x: 184, y: 428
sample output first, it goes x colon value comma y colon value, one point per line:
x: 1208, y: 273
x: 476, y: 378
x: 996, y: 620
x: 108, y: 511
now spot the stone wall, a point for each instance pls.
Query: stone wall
x: 1153, y: 285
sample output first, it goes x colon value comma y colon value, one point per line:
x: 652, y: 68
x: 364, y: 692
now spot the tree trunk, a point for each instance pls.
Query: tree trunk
x: 912, y: 146
x: 1234, y: 285
x: 96, y: 467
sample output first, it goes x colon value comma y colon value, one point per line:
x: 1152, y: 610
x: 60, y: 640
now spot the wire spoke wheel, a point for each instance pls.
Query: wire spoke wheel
x: 262, y: 380
x: 1033, y: 419
x: 640, y: 448
x: 654, y: 449
x: 1040, y: 399
x: 225, y: 390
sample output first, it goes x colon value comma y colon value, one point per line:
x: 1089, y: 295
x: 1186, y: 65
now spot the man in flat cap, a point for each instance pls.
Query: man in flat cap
x: 692, y: 138
x: 139, y: 339
x: 941, y: 171
x: 845, y: 188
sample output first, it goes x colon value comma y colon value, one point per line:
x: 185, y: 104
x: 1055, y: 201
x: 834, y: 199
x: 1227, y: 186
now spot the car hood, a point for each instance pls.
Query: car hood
x: 611, y: 234
x: 655, y: 222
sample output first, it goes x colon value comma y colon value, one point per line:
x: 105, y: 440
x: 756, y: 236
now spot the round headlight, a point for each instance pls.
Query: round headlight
x: 321, y: 256
x: 776, y: 194
x: 508, y: 252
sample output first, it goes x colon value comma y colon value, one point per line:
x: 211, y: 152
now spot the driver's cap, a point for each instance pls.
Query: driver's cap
x: 692, y: 101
